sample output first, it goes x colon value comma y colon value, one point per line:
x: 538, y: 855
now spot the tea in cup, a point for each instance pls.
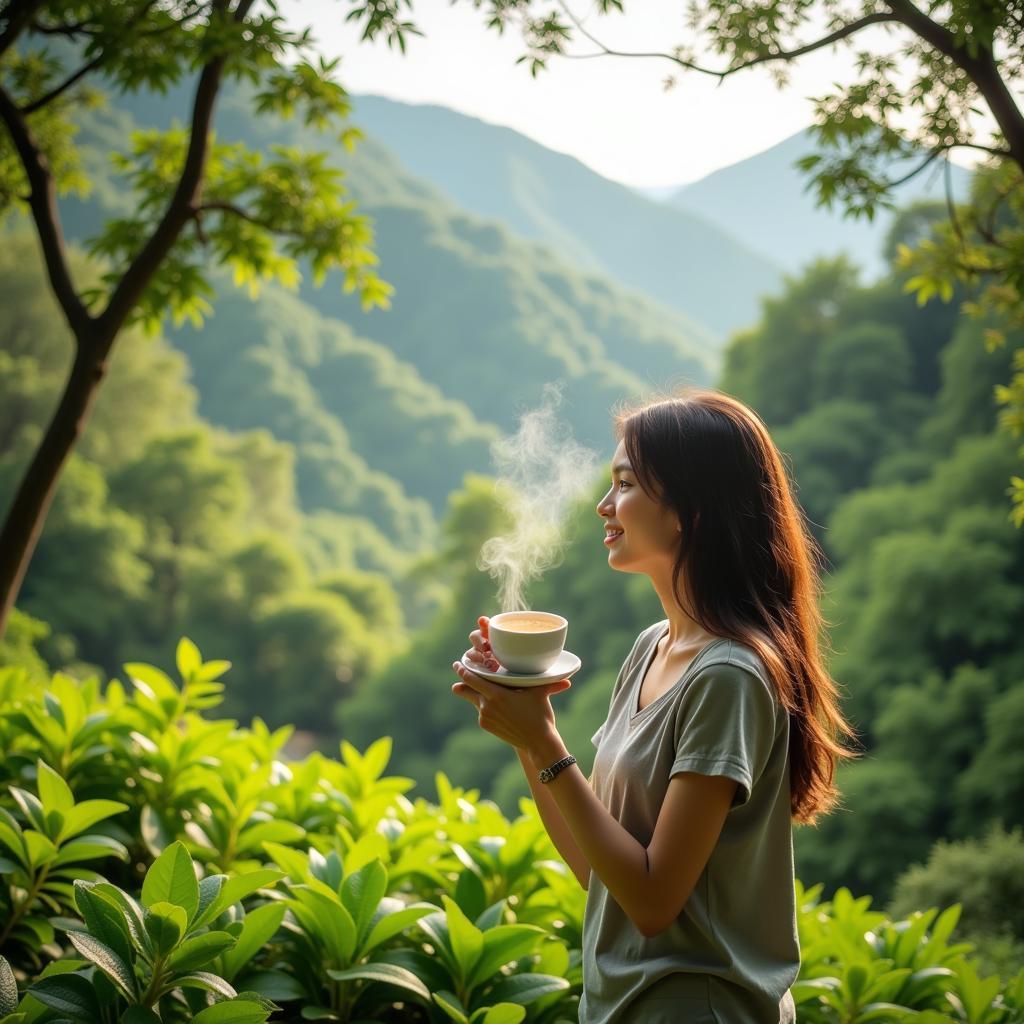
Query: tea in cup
x: 527, y: 643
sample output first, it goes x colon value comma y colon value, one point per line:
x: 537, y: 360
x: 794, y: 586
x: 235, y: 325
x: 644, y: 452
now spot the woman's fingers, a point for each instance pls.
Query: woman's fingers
x: 466, y: 693
x: 478, y: 638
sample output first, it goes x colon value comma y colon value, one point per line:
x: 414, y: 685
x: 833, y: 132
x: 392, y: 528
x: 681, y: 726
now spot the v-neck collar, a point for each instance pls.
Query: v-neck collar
x: 634, y: 698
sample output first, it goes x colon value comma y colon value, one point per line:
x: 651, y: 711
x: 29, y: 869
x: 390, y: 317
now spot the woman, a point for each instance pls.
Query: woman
x: 723, y: 728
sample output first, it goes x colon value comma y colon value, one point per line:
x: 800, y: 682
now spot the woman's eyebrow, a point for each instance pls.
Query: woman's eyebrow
x: 622, y: 467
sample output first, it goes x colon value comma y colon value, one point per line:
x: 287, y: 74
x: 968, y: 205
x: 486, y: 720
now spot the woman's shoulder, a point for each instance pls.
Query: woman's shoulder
x: 735, y: 654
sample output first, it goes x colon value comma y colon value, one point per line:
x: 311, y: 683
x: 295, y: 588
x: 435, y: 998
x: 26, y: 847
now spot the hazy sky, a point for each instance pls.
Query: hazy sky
x: 611, y: 113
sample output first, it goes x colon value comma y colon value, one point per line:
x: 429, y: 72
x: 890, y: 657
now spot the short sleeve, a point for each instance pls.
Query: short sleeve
x: 726, y: 726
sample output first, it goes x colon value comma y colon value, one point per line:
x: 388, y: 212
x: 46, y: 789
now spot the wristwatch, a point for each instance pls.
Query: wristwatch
x: 547, y: 774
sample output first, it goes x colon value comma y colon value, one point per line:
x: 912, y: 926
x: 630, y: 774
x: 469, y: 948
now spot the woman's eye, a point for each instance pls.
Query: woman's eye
x: 623, y: 483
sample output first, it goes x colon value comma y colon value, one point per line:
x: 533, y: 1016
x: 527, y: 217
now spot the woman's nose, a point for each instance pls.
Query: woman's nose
x: 604, y: 506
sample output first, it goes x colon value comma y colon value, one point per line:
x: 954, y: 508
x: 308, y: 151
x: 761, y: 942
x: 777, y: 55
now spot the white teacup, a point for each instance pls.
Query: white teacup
x: 527, y: 643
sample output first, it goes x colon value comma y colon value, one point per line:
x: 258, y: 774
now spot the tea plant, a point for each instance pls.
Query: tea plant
x: 859, y: 967
x: 42, y: 859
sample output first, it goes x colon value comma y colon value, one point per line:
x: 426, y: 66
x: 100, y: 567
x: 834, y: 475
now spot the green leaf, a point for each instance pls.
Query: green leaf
x: 132, y: 913
x: 106, y: 960
x: 449, y: 1002
x: 294, y: 864
x: 12, y: 837
x: 30, y: 807
x: 235, y: 1011
x: 54, y: 792
x: 254, y: 836
x: 500, y: 1013
x: 188, y: 659
x: 258, y: 928
x: 393, y: 917
x: 209, y: 890
x: 502, y: 944
x: 172, y: 879
x: 40, y: 850
x: 70, y: 995
x: 361, y: 892
x: 86, y: 814
x: 105, y: 921
x: 8, y: 989
x: 467, y: 940
x: 237, y: 888
x: 208, y: 982
x: 165, y: 925
x: 199, y: 950
x: 525, y: 988
x: 470, y: 894
x: 330, y: 922
x: 389, y: 973
x: 376, y: 758
x: 90, y: 847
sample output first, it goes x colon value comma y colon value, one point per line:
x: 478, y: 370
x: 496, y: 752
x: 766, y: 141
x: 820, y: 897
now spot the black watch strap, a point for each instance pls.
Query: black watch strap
x: 547, y: 774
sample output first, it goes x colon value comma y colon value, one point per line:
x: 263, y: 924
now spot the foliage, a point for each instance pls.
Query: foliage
x: 258, y: 216
x: 982, y: 244
x: 985, y: 877
x: 859, y: 967
x: 317, y: 889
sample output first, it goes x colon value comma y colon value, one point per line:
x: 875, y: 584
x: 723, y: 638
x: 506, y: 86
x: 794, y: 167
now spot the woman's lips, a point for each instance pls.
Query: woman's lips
x: 611, y: 536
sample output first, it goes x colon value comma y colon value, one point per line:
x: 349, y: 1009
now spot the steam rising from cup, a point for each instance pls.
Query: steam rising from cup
x: 542, y: 471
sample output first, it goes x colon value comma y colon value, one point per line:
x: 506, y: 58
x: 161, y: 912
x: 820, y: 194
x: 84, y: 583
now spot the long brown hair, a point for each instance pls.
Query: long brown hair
x: 748, y: 568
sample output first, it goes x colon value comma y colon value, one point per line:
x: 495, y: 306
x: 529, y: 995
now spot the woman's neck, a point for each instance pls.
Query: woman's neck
x: 683, y: 628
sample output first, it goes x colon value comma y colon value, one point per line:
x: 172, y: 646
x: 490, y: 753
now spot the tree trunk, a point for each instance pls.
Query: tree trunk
x: 25, y: 518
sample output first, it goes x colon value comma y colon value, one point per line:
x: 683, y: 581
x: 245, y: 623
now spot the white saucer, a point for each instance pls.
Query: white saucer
x: 568, y: 664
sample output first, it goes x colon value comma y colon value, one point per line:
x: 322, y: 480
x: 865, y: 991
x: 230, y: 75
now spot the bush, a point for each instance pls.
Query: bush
x: 986, y: 876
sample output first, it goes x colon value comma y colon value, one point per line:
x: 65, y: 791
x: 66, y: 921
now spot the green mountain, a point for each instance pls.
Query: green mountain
x: 764, y: 201
x: 417, y: 392
x: 683, y: 260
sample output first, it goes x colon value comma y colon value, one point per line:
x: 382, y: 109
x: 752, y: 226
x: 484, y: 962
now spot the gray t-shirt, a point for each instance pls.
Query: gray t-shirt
x: 732, y: 954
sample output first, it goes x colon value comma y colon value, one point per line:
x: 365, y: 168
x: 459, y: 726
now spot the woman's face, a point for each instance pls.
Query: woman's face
x: 641, y: 534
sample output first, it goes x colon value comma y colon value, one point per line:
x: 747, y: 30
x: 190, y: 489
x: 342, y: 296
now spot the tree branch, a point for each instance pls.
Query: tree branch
x: 16, y: 17
x: 982, y: 70
x: 66, y: 28
x: 31, y: 108
x: 42, y: 202
x: 781, y: 55
x: 236, y: 211
x: 180, y: 209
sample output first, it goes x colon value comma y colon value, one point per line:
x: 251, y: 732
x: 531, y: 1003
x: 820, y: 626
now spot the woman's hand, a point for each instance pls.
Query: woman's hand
x: 523, y: 716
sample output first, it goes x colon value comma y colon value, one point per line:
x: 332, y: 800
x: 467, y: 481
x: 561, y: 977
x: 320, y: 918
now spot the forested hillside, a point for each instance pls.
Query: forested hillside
x: 682, y: 258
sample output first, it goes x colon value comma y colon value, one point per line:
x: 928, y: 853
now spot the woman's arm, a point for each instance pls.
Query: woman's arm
x: 554, y: 823
x: 651, y: 883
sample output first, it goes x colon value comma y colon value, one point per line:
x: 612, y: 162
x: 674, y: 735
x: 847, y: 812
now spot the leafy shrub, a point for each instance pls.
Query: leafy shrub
x: 986, y: 876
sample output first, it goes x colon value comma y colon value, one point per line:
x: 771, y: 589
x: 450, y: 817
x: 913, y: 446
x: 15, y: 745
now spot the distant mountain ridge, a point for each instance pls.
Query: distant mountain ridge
x: 764, y: 200
x: 682, y: 260
x: 389, y: 410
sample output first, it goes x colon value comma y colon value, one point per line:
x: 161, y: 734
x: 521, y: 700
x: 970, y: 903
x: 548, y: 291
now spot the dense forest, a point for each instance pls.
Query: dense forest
x: 303, y: 489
